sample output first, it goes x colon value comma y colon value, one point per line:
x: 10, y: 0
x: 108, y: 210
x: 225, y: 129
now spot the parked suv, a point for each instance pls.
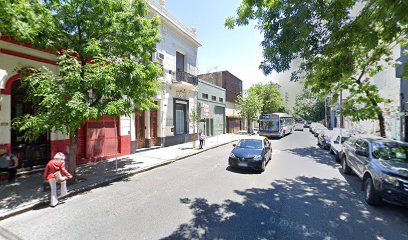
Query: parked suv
x: 382, y: 164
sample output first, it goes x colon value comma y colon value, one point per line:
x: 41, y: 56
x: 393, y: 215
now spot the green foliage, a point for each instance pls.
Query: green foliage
x: 249, y: 105
x: 272, y: 100
x: 104, y: 69
x: 195, y: 116
x: 309, y: 107
x: 342, y: 43
x: 260, y: 99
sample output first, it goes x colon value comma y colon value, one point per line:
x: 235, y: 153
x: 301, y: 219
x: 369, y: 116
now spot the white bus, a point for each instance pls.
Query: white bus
x: 275, y: 124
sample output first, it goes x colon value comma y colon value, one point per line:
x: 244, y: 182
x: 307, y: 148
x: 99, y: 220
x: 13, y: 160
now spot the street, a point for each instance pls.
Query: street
x: 301, y: 195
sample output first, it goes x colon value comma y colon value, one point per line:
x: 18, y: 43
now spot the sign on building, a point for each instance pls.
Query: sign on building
x: 206, y: 110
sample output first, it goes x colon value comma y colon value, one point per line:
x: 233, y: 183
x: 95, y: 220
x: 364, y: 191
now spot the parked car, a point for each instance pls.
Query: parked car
x: 382, y: 164
x: 324, y: 139
x: 337, y: 140
x: 314, y: 127
x: 318, y: 130
x: 252, y: 153
x: 307, y: 124
x: 298, y: 127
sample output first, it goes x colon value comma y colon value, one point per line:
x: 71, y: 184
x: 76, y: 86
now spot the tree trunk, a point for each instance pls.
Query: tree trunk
x: 380, y: 115
x: 382, y: 123
x: 73, y: 153
x: 194, y: 135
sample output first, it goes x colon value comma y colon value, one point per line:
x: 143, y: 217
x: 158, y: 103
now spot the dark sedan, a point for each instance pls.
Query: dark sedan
x: 252, y: 154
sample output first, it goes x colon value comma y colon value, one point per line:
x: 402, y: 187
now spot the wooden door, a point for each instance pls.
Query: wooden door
x: 30, y: 153
x: 153, y: 128
x: 140, y: 130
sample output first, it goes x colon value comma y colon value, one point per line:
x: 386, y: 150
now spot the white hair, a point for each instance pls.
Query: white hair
x: 59, y: 155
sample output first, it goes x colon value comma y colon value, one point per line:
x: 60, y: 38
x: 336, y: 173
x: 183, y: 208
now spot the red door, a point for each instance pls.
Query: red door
x: 101, y: 141
x: 140, y: 130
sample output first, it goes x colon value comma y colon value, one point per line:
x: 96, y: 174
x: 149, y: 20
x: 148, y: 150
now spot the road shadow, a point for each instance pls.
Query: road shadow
x: 301, y: 208
x: 318, y: 154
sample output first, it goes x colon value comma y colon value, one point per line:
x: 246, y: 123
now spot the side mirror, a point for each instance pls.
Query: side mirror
x: 234, y: 145
x: 361, y: 152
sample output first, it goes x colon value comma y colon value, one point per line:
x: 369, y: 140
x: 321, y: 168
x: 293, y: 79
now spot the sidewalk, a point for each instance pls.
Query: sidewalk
x: 26, y: 193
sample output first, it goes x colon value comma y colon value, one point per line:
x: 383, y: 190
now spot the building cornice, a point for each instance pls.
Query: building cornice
x: 167, y: 17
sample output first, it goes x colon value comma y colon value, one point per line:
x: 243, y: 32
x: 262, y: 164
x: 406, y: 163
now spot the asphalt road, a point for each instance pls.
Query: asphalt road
x: 301, y: 195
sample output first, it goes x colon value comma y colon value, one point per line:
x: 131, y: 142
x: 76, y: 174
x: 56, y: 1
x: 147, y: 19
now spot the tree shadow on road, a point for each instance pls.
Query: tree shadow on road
x: 301, y: 208
x: 317, y: 154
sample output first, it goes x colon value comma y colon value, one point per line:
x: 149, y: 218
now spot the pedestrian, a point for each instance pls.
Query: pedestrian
x: 54, y: 173
x: 8, y: 163
x: 201, y: 137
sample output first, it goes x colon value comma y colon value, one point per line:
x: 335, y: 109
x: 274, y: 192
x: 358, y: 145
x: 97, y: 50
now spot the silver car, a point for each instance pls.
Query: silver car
x: 382, y: 165
x: 337, y: 140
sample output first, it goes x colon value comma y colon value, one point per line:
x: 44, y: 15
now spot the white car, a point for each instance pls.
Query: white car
x: 336, y: 145
x: 298, y: 127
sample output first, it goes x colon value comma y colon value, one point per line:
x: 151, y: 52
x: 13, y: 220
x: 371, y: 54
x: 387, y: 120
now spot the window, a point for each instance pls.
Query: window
x: 205, y: 95
x: 179, y: 62
x: 362, y: 145
x: 221, y: 99
x: 214, y: 98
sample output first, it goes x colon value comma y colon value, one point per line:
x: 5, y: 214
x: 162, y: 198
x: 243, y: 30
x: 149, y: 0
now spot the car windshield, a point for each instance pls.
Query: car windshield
x: 269, y: 125
x: 343, y: 139
x: 250, y: 143
x: 390, y: 151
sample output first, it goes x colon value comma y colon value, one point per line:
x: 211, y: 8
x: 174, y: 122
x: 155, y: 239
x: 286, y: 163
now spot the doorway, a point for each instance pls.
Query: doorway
x: 153, y: 127
x: 30, y: 153
x: 140, y: 130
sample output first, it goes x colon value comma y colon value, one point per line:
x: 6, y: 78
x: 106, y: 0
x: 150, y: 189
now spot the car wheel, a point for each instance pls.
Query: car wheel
x: 263, y: 166
x: 371, y: 195
x: 344, y: 166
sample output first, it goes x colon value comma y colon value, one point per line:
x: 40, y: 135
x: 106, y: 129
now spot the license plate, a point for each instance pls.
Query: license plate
x: 242, y: 164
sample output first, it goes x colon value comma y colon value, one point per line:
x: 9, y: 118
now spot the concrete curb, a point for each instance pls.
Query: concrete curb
x: 44, y: 201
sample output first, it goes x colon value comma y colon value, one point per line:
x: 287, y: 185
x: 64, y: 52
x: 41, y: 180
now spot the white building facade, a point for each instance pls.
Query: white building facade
x: 177, y: 52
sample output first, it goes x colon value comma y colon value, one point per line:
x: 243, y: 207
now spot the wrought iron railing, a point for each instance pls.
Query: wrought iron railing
x: 186, y: 77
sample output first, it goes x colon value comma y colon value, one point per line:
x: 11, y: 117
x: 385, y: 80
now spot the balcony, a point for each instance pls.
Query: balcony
x: 185, y: 77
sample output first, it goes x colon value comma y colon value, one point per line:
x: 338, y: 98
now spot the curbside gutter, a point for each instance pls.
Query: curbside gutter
x: 43, y: 202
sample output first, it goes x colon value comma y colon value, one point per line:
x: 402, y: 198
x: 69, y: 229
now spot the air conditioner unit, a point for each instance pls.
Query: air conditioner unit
x: 159, y: 55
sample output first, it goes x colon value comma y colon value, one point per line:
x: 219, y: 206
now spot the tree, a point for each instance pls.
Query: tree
x: 249, y: 105
x: 342, y: 43
x: 195, y: 118
x: 104, y: 65
x: 309, y: 107
x: 260, y: 99
x: 271, y: 97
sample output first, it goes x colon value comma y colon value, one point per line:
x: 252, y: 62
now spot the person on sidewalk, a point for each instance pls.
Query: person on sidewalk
x: 201, y: 137
x: 8, y: 163
x: 57, y: 166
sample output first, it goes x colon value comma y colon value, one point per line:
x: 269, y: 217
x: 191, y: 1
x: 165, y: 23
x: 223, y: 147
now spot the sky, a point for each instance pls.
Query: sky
x: 237, y: 50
